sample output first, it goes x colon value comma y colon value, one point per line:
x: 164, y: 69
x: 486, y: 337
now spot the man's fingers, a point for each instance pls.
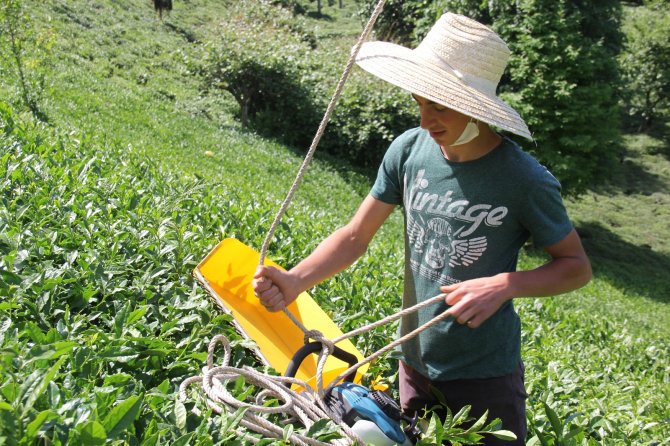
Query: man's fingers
x: 453, y: 296
x: 262, y: 281
x: 463, y: 314
x: 274, y: 303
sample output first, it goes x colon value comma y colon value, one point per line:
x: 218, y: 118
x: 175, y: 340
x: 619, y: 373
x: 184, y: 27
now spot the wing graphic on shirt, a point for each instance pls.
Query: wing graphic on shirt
x: 416, y: 233
x: 466, y: 251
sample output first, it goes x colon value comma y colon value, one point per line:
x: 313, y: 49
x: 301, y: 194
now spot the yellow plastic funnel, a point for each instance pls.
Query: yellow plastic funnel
x: 227, y: 272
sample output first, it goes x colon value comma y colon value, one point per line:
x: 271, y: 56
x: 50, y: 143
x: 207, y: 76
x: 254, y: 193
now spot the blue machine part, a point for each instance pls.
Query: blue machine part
x: 356, y: 403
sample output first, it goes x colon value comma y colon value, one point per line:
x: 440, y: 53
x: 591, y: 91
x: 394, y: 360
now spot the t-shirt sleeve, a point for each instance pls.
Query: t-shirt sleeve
x: 388, y: 186
x: 544, y: 215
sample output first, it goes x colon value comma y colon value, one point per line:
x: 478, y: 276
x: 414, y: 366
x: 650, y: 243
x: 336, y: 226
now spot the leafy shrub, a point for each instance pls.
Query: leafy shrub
x: 263, y: 66
x: 645, y: 64
x: 369, y: 115
x: 292, y: 5
x: 99, y: 315
x: 398, y: 20
x: 282, y: 87
x: 563, y: 80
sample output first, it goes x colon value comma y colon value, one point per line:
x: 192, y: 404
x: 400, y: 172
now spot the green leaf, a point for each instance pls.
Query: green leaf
x: 183, y: 440
x: 9, y: 277
x: 231, y: 422
x: 136, y: 315
x: 6, y: 306
x: 434, y: 433
x: 51, y: 351
x: 92, y: 433
x: 504, y: 435
x: 556, y: 424
x: 471, y: 438
x: 6, y: 406
x: 120, y: 319
x: 288, y: 432
x: 461, y: 416
x: 479, y: 423
x: 39, y: 385
x: 323, y: 430
x: 180, y: 414
x: 150, y: 440
x: 122, y: 416
x: 34, y: 426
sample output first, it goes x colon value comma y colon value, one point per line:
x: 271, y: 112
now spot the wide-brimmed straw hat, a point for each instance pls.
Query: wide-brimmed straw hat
x: 458, y: 64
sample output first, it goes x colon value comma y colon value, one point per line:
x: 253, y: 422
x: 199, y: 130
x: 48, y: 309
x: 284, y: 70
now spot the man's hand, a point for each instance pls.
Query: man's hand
x: 274, y: 287
x: 474, y: 301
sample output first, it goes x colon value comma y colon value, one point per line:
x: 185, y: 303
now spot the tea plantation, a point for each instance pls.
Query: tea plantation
x: 131, y: 173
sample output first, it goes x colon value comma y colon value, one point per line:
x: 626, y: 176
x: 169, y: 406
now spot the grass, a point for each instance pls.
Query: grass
x: 106, y: 211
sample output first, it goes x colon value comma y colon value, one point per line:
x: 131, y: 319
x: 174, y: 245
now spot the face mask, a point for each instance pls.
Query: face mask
x: 470, y: 132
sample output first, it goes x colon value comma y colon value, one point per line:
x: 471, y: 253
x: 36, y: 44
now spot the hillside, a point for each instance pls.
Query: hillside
x: 137, y: 174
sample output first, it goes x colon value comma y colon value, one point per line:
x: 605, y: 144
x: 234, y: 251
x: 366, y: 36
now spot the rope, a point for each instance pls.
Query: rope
x: 306, y: 406
x: 303, y: 168
x: 322, y: 128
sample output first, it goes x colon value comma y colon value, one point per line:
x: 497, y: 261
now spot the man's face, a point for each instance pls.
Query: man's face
x: 444, y: 124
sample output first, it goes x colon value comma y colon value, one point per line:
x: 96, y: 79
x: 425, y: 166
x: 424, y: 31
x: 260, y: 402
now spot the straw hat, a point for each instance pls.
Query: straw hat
x: 458, y: 64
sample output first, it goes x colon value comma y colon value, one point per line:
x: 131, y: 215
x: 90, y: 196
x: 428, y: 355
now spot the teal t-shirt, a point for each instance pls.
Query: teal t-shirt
x: 463, y: 221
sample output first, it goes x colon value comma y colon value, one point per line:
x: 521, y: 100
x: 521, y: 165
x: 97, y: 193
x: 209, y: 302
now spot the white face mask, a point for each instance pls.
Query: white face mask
x: 470, y: 132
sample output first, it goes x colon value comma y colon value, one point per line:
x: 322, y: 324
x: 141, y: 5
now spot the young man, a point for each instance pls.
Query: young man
x: 471, y: 199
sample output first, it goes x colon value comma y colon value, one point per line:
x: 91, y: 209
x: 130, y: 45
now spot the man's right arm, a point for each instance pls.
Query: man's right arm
x: 277, y: 288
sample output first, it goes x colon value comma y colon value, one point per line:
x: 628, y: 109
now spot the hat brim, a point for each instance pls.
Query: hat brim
x: 407, y: 69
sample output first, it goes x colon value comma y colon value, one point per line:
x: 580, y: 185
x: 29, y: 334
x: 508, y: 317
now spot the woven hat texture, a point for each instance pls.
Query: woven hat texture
x: 458, y: 64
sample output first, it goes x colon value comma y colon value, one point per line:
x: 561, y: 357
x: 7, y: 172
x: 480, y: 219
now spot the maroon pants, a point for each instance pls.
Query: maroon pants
x: 504, y: 397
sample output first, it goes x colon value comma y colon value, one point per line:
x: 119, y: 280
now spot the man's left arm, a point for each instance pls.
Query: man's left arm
x: 474, y: 301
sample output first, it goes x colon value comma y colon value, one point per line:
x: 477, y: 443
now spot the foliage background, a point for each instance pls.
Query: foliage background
x: 133, y: 171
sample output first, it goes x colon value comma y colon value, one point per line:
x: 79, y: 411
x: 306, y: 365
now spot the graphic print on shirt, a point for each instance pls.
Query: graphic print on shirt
x: 441, y: 230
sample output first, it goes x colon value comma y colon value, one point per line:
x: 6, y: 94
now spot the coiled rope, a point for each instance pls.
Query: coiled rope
x: 306, y: 406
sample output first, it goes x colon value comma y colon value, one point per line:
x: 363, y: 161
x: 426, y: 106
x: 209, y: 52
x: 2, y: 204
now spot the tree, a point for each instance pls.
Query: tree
x: 645, y: 63
x: 398, y: 20
x: 563, y: 78
x: 319, y: 5
x: 27, y: 52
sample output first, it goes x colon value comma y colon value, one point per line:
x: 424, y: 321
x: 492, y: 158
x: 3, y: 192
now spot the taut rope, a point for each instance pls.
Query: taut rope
x: 322, y: 128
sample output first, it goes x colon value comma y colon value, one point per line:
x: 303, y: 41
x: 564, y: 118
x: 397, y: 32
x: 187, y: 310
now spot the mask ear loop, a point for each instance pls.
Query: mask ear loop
x: 470, y: 132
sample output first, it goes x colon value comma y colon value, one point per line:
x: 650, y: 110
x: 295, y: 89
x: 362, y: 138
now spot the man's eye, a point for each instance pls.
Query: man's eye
x: 439, y: 108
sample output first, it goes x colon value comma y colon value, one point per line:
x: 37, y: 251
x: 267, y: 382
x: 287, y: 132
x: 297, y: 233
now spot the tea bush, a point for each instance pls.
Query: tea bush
x: 100, y: 317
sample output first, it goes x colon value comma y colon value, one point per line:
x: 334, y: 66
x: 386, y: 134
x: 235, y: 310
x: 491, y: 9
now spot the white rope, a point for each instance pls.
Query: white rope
x: 322, y: 128
x: 306, y: 406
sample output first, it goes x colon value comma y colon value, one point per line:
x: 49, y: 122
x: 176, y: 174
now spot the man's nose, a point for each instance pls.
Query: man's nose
x: 427, y: 117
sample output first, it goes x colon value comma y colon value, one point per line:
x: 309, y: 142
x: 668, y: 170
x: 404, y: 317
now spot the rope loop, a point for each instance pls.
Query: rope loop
x: 275, y: 398
x: 317, y: 336
x: 219, y: 339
